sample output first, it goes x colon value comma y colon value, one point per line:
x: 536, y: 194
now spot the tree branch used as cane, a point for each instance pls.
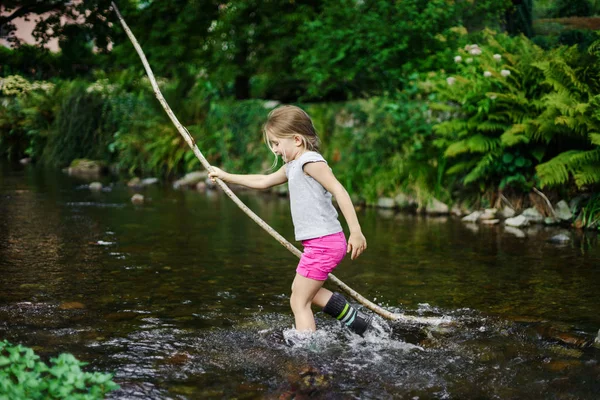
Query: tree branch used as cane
x: 190, y: 141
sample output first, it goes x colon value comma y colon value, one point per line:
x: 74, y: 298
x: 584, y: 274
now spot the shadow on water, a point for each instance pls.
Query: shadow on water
x: 185, y: 297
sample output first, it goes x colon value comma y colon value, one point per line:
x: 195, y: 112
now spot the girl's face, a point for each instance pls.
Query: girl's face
x: 289, y: 148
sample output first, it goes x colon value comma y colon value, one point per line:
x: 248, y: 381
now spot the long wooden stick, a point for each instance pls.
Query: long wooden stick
x: 190, y: 141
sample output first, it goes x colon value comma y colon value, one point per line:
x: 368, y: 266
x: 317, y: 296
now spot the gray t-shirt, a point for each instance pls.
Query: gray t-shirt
x: 313, y: 213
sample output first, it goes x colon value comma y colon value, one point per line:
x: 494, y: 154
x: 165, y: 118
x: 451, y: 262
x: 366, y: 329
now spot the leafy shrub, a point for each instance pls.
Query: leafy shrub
x: 24, y: 376
x: 482, y: 107
x: 572, y: 8
x: 569, y: 125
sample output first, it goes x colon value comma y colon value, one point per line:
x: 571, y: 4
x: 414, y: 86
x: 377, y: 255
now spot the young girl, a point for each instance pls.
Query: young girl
x: 289, y: 133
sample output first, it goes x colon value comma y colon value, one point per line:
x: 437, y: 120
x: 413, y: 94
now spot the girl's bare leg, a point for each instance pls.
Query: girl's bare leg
x: 304, y: 291
x: 322, y: 297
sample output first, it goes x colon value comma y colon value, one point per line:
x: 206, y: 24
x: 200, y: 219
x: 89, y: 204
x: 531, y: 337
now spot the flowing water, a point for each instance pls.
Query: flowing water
x: 185, y: 297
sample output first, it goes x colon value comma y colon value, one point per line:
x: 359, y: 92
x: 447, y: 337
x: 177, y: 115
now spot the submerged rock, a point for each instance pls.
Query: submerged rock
x: 137, y: 199
x: 71, y: 305
x: 560, y: 238
x: 95, y: 186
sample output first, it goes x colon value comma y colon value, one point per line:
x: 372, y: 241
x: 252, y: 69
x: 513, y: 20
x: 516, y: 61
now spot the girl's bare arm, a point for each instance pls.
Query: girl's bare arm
x: 322, y: 174
x: 252, y: 181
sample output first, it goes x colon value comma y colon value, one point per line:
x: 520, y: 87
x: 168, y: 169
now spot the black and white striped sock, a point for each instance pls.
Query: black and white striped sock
x: 340, y: 309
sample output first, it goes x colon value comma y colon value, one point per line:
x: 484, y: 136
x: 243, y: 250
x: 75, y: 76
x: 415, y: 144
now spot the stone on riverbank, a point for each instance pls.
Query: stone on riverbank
x: 139, y: 183
x: 137, y: 199
x: 507, y: 212
x: 95, y: 186
x: 190, y: 179
x: 533, y: 215
x: 489, y: 213
x: 404, y: 201
x: 517, y: 222
x: 563, y: 212
x: 434, y: 206
x: 85, y: 168
x: 385, y: 202
x: 473, y: 217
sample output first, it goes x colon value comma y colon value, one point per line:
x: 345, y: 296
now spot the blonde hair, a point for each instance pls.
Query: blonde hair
x: 287, y: 121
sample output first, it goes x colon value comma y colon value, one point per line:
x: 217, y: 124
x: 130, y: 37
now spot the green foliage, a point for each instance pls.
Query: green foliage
x: 570, y: 122
x: 590, y: 213
x: 381, y: 146
x: 483, y: 108
x: 24, y: 376
x: 355, y: 49
x: 77, y: 130
x: 572, y: 8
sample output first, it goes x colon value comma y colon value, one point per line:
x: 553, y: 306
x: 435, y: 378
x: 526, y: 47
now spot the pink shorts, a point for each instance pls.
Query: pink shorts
x: 321, y: 255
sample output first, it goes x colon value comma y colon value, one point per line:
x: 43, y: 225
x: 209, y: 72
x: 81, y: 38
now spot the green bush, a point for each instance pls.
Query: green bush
x: 572, y: 8
x: 482, y: 108
x: 24, y: 376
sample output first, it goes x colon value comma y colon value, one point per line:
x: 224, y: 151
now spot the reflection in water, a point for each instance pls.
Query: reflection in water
x: 186, y: 297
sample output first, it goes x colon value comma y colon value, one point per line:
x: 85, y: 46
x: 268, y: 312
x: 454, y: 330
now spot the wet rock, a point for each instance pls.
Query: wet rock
x: 551, y: 221
x: 95, y: 186
x: 507, y: 212
x: 561, y: 365
x: 190, y: 179
x: 404, y: 201
x: 517, y: 222
x: 71, y: 305
x: 489, y: 213
x: 25, y: 161
x: 137, y: 199
x: 134, y: 182
x: 434, y: 206
x: 562, y: 210
x: 86, y: 168
x: 177, y: 359
x: 385, y: 202
x: 456, y: 210
x: 597, y: 340
x: 533, y: 215
x: 149, y: 181
x: 473, y: 217
x: 560, y: 238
